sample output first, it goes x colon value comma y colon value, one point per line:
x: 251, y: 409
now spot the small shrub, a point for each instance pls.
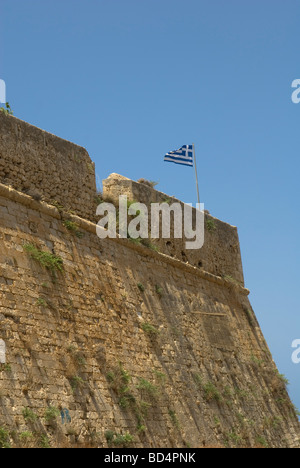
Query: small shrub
x: 235, y: 438
x: 217, y: 421
x: 141, y: 429
x: 144, y: 407
x: 73, y: 227
x: 7, y: 109
x: 211, y: 392
x: 126, y: 377
x: 76, y: 382
x: 159, y: 290
x: 241, y: 393
x: 135, y: 241
x: 4, y: 438
x: 57, y: 205
x: 261, y: 441
x: 109, y: 436
x: 44, y: 442
x: 174, y: 418
x: 26, y: 437
x: 210, y: 225
x: 198, y: 380
x: 5, y: 367
x: 150, y: 329
x: 119, y: 380
x: 149, y: 183
x: 167, y: 200
x: 145, y: 242
x: 282, y: 378
x: 29, y: 415
x: 150, y: 245
x: 127, y: 400
x: 233, y: 281
x: 273, y: 422
x: 77, y: 356
x: 256, y: 361
x: 45, y: 259
x: 80, y: 360
x: 119, y: 440
x: 41, y: 302
x: 51, y: 413
x: 110, y: 376
x: 147, y: 387
x: 123, y: 440
x: 141, y: 287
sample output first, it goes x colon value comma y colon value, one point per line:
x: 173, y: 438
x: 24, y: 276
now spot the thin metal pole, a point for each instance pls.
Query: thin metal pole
x: 195, y: 164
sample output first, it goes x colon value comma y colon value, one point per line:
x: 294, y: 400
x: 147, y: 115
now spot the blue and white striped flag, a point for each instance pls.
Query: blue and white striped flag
x: 183, y: 155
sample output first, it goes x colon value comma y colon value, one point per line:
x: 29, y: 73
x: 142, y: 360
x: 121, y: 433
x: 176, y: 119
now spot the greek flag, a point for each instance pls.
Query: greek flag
x: 183, y: 155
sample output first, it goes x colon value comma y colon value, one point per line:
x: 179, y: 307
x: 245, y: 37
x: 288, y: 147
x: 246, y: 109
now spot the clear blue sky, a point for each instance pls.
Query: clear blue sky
x: 132, y: 79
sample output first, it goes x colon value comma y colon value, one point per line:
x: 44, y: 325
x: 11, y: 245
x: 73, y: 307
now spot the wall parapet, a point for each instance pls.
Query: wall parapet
x: 89, y: 226
x: 220, y: 255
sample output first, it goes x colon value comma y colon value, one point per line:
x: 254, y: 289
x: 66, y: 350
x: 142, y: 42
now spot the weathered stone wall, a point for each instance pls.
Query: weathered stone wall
x: 220, y: 253
x: 130, y: 341
x: 45, y: 166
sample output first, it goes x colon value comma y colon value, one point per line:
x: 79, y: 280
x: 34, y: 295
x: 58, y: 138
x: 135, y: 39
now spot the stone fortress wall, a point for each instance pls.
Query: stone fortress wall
x: 133, y: 347
x: 44, y: 166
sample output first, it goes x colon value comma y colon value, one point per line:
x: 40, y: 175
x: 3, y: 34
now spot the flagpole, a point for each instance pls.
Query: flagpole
x: 197, y: 185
